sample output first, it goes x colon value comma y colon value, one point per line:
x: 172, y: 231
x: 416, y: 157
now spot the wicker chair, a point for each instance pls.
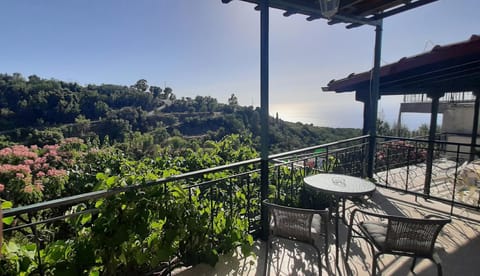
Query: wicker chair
x: 296, y: 224
x: 413, y: 237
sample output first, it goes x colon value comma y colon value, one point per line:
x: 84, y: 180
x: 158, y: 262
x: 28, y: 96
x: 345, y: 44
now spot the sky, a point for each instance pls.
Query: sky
x: 207, y: 48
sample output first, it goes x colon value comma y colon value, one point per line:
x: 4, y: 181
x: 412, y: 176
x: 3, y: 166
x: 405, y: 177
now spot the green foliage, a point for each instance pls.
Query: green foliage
x: 45, y: 137
x: 18, y: 258
x: 330, y: 164
x: 139, y: 230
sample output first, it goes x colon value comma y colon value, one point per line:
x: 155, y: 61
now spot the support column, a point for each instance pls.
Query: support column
x: 264, y: 141
x: 374, y: 96
x: 362, y: 96
x: 431, y: 138
x: 399, y: 122
x: 475, y: 125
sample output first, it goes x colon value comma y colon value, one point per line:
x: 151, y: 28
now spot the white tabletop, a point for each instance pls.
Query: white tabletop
x: 339, y: 184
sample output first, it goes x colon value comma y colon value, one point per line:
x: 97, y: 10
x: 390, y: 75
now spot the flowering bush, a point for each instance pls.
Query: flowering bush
x: 399, y: 153
x: 145, y: 229
x: 32, y: 174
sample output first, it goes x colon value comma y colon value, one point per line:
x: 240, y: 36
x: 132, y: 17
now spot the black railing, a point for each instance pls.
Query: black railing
x: 401, y: 164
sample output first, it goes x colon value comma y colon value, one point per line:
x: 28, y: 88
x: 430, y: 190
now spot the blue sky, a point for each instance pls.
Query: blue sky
x: 204, y: 47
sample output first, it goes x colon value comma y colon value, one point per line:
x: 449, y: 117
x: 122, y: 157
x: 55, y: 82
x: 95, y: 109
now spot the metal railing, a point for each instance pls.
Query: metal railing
x: 401, y: 164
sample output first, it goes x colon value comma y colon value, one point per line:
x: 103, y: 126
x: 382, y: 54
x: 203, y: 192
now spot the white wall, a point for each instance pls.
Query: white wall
x: 458, y: 118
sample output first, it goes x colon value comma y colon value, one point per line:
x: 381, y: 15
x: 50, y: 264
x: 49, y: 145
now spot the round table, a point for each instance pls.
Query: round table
x: 340, y: 186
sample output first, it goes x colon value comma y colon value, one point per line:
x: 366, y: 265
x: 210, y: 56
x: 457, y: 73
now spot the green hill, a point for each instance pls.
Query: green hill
x: 40, y: 111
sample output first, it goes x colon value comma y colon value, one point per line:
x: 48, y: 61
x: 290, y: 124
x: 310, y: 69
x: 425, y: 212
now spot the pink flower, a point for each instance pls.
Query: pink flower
x: 40, y: 160
x: 2, y: 187
x: 5, y: 151
x: 55, y: 172
x: 6, y: 168
x: 23, y: 152
x: 34, y: 147
x: 40, y: 174
x: 51, y: 147
x: 28, y: 162
x: 19, y: 175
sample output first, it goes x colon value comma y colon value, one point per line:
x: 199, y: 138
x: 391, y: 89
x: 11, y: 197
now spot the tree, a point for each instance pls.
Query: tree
x: 423, y: 130
x: 82, y: 125
x: 168, y: 94
x: 156, y: 91
x: 383, y: 128
x: 233, y: 100
x: 401, y: 131
x: 141, y: 85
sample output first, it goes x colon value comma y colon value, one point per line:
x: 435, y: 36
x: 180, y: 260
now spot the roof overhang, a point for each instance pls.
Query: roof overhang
x: 449, y: 68
x: 353, y: 12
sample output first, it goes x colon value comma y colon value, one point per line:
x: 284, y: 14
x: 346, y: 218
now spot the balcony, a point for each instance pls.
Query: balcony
x: 223, y: 203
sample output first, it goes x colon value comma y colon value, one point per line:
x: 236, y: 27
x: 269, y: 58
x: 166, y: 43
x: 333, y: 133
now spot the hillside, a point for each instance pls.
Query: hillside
x: 40, y: 111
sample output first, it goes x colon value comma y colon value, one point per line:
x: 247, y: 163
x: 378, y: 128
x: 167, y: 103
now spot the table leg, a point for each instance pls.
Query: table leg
x: 336, y: 230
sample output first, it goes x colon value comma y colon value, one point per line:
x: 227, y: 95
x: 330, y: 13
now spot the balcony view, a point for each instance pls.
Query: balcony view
x: 252, y: 137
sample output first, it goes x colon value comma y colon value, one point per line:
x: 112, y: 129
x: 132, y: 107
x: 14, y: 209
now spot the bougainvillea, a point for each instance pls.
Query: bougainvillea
x: 399, y: 153
x: 32, y: 174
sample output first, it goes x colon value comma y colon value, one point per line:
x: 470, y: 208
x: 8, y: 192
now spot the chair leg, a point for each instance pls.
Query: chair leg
x: 267, y: 246
x: 326, y: 247
x: 439, y: 269
x: 413, y: 264
x: 438, y: 262
x: 349, y: 239
x: 319, y: 260
x: 374, y: 263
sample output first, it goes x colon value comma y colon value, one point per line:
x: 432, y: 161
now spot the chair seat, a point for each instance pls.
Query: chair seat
x: 298, y: 224
x: 398, y: 235
x: 289, y: 231
x: 376, y: 230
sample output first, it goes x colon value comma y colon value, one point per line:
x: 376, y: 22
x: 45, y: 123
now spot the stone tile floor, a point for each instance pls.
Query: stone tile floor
x: 458, y: 246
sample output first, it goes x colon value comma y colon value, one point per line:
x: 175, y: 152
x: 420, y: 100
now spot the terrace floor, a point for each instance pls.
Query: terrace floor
x: 458, y: 247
